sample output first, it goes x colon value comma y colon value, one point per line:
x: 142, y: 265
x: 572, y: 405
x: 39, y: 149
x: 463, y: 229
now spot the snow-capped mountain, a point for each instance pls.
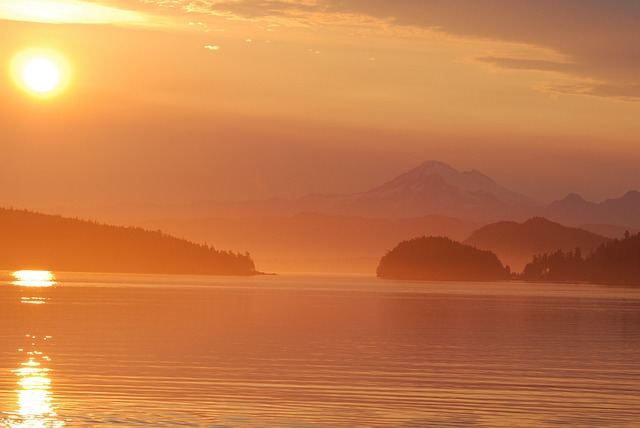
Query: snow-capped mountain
x: 436, y: 188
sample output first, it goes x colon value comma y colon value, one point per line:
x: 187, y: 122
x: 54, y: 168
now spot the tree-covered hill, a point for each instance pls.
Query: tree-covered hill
x: 439, y: 258
x: 615, y: 262
x: 31, y: 240
x: 516, y: 243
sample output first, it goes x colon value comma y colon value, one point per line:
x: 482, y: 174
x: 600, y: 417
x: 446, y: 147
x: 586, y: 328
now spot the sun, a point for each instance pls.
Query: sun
x: 41, y: 73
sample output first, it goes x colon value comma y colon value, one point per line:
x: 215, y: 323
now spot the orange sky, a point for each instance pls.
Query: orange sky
x: 179, y: 101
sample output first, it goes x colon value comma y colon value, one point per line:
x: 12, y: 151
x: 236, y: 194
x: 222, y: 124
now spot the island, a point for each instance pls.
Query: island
x: 32, y: 240
x: 440, y: 259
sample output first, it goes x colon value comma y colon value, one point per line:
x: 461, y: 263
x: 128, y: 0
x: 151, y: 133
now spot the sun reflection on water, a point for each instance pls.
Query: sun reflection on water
x: 33, y: 278
x: 35, y: 403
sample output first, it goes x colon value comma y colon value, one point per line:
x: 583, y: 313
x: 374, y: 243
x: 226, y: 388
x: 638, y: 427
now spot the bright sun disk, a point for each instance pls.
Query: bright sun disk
x: 40, y: 73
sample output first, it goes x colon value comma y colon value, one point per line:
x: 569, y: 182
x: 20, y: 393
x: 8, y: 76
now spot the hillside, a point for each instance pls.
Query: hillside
x: 516, y: 243
x: 38, y: 241
x: 440, y: 259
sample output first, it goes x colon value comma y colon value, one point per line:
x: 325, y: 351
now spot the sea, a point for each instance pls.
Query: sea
x: 94, y: 349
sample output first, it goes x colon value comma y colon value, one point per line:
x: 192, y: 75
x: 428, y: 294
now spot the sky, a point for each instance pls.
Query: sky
x: 176, y: 101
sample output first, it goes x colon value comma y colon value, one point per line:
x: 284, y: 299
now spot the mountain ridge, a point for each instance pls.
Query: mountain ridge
x: 430, y: 188
x: 575, y: 210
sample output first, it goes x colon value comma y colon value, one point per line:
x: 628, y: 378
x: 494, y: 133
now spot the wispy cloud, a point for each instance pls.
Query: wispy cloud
x: 590, y: 41
x: 597, y: 40
x: 621, y: 91
x: 600, y: 39
x: 527, y: 64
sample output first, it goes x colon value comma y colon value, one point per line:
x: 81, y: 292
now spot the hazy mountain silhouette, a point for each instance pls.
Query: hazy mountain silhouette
x: 38, y: 241
x: 574, y: 210
x: 440, y: 259
x: 360, y: 225
x: 432, y: 188
x: 515, y: 244
x: 437, y: 188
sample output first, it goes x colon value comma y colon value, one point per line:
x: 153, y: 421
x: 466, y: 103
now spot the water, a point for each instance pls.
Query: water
x: 324, y: 351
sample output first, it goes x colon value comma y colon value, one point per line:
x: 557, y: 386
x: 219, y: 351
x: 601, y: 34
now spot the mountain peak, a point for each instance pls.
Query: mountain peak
x: 573, y: 198
x: 433, y: 171
x: 429, y: 168
x: 632, y: 195
x: 433, y: 164
x: 435, y: 187
x: 538, y: 221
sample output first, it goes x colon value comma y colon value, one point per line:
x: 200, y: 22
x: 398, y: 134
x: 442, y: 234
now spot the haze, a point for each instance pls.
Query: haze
x: 176, y: 102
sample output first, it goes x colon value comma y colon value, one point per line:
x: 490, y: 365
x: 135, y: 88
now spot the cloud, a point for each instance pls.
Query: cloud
x: 596, y: 40
x: 526, y: 64
x: 623, y: 91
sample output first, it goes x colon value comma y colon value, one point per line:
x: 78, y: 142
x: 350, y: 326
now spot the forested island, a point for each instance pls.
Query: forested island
x: 614, y: 262
x: 440, y: 259
x: 30, y: 240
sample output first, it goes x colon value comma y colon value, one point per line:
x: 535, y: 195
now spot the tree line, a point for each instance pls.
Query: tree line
x: 31, y: 240
x: 614, y: 262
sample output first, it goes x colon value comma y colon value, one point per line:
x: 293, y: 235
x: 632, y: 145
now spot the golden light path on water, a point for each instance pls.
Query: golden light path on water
x: 35, y: 406
x: 35, y: 403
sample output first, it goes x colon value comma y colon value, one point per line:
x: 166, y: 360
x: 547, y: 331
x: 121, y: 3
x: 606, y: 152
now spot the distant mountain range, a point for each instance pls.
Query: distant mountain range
x: 574, y: 210
x: 430, y: 199
x: 431, y: 188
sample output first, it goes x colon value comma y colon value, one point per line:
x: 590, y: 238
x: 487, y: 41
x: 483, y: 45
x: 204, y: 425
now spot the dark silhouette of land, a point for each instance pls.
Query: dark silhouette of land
x: 615, y: 262
x: 440, y: 258
x: 37, y: 241
x: 516, y: 243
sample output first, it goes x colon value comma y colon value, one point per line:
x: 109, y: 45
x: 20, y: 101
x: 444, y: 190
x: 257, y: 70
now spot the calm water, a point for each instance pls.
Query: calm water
x: 295, y: 351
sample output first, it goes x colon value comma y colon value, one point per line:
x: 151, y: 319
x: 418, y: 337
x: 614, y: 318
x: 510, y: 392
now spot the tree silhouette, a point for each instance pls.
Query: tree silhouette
x: 615, y: 262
